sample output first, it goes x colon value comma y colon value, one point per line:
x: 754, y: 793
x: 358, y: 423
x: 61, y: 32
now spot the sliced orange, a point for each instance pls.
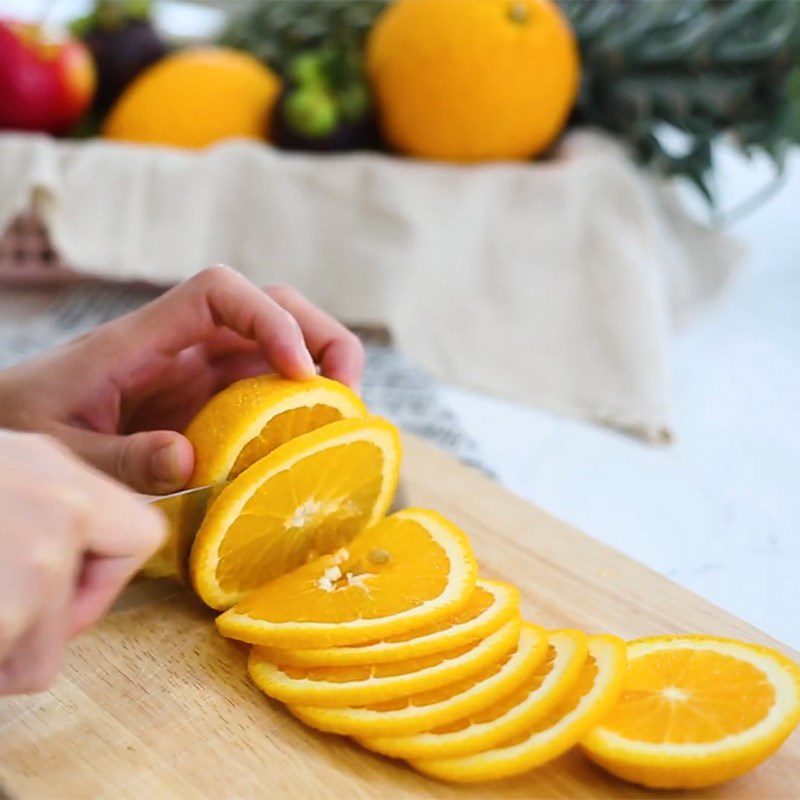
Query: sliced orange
x: 252, y: 417
x: 492, y: 723
x: 597, y: 688
x: 309, y: 496
x: 696, y: 710
x: 410, y: 569
x: 490, y: 605
x: 334, y: 687
x: 430, y: 707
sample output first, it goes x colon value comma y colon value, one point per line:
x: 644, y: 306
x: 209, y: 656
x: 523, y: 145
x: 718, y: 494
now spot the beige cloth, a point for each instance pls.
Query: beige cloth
x: 556, y: 283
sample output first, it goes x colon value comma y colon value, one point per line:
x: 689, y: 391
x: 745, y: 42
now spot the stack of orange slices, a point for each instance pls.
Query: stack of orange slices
x: 379, y: 627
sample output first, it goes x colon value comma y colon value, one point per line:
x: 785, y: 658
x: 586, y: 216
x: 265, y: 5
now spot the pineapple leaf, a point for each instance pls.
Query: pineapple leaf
x: 704, y: 67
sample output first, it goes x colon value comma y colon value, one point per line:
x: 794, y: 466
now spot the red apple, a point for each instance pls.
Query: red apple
x: 46, y: 83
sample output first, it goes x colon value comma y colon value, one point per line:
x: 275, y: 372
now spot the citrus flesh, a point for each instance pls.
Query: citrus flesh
x: 429, y: 707
x: 250, y: 418
x: 412, y: 568
x: 309, y: 496
x: 336, y: 687
x: 696, y: 710
x: 597, y: 687
x: 514, y: 712
x: 378, y: 628
x: 490, y: 605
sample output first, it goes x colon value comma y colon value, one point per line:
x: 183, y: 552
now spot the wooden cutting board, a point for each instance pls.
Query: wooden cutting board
x: 153, y: 703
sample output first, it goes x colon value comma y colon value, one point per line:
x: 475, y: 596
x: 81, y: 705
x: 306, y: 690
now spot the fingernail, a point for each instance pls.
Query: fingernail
x: 310, y: 366
x: 165, y: 463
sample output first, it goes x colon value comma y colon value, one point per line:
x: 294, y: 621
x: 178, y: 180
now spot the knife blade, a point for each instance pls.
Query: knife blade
x: 184, y: 512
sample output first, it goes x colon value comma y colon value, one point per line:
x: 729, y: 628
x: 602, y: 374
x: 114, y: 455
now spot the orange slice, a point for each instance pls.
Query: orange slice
x: 490, y: 605
x: 509, y: 716
x: 309, y: 496
x: 249, y: 419
x: 411, y: 569
x: 597, y: 688
x: 333, y: 687
x: 430, y: 707
x: 696, y: 710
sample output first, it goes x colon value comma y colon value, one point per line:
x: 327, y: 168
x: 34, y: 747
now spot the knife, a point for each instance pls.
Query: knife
x: 184, y: 512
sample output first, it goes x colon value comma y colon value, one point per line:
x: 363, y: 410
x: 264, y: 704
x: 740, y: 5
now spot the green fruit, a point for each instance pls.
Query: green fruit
x: 307, y: 69
x: 311, y: 111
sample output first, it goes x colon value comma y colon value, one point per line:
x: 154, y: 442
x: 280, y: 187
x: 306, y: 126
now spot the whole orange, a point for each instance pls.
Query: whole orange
x: 195, y: 98
x: 473, y: 80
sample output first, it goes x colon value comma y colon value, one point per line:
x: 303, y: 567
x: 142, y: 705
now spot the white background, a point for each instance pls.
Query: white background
x: 719, y: 510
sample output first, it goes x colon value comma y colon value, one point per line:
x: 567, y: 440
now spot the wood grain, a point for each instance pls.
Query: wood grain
x: 153, y: 703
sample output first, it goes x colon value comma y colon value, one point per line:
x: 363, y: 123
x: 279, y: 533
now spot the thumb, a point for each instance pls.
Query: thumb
x: 152, y: 462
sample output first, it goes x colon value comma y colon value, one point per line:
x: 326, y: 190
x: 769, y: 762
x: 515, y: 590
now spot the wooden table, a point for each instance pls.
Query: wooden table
x: 153, y: 703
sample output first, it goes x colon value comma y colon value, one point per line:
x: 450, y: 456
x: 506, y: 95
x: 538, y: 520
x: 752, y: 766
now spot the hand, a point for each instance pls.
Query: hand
x: 70, y: 539
x: 119, y: 395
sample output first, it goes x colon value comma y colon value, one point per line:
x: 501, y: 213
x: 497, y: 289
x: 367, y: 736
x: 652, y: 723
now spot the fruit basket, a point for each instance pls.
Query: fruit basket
x: 299, y: 147
x: 27, y: 255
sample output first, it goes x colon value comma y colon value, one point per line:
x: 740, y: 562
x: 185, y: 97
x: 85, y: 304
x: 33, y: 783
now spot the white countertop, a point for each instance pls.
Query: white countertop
x: 719, y: 510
